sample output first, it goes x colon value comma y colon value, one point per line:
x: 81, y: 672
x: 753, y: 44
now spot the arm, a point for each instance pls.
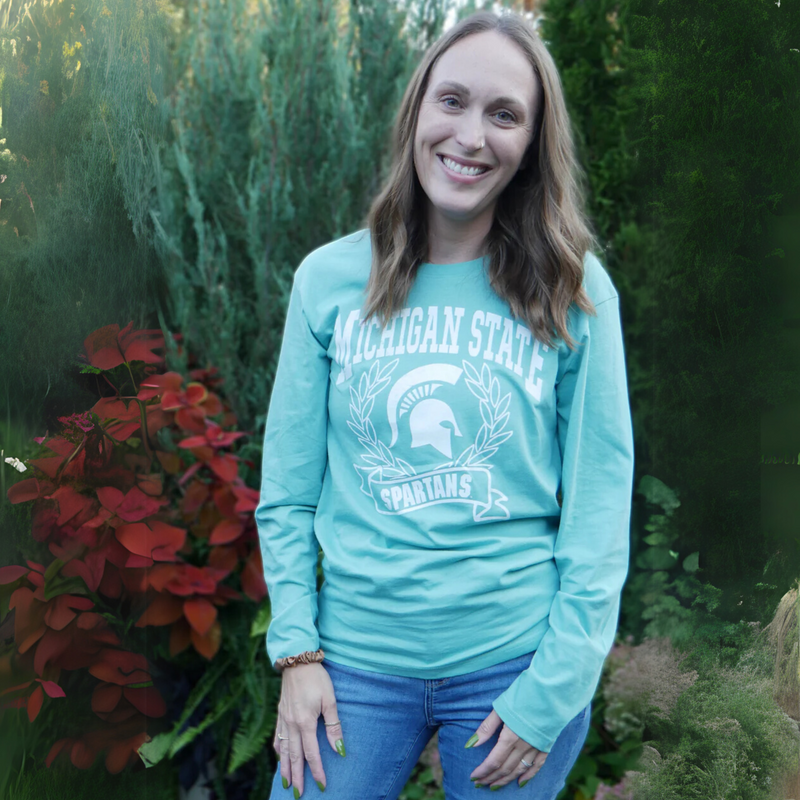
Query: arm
x: 591, y: 549
x: 293, y: 466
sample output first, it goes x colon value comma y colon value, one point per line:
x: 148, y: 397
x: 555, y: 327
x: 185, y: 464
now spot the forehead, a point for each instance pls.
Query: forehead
x: 489, y: 64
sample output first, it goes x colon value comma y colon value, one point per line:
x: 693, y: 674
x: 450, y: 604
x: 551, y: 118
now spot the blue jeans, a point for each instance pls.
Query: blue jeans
x: 387, y: 720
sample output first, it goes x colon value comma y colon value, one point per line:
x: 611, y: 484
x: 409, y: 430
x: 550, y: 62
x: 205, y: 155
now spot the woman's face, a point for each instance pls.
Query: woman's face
x: 481, y: 88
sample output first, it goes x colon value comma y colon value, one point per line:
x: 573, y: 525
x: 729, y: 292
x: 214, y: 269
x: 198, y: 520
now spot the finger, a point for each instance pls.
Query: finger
x: 276, y: 742
x: 334, y: 732
x: 312, y: 756
x: 285, y: 762
x: 511, y: 766
x: 296, y: 758
x: 537, y: 764
x: 491, y: 765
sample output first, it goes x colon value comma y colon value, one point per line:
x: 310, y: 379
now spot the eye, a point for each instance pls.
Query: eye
x: 511, y: 118
x: 450, y: 97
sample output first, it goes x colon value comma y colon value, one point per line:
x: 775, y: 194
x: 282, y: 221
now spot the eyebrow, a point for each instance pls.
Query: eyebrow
x: 459, y: 87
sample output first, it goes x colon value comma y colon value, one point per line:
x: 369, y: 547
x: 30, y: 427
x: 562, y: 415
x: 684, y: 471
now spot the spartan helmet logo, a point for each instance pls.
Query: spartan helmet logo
x: 411, y: 395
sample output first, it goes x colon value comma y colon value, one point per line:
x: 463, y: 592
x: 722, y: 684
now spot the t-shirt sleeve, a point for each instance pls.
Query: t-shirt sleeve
x: 592, y: 546
x: 293, y: 467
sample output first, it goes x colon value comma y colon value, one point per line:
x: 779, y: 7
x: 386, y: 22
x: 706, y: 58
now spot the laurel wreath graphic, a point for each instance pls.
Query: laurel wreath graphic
x: 494, y: 411
x: 372, y: 383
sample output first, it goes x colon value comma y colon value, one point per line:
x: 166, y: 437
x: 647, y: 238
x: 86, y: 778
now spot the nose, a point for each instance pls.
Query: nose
x: 470, y: 133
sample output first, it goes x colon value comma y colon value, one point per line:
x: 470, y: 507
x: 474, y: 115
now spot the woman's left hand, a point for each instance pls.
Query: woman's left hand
x: 503, y: 764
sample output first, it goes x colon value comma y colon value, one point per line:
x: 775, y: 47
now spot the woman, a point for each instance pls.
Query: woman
x: 450, y: 423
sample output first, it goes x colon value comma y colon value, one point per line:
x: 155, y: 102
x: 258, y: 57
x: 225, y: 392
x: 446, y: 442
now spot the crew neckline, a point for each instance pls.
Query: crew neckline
x: 458, y: 266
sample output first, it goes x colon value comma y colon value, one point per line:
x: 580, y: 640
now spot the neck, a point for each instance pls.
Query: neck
x: 453, y: 241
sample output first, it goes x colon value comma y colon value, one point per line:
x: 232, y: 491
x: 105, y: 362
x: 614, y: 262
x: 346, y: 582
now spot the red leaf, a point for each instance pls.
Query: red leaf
x: 200, y: 614
x: 49, y: 648
x: 192, y: 441
x: 83, y: 756
x: 52, y: 688
x: 121, y: 753
x: 171, y: 462
x: 195, y: 580
x: 164, y: 610
x: 56, y: 749
x: 137, y: 505
x: 225, y: 467
x: 150, y: 484
x: 43, y: 522
x: 195, y: 496
x: 89, y: 620
x: 225, y: 500
x: 191, y: 419
x: 161, y: 574
x: 60, y: 612
x: 225, y: 439
x: 90, y: 569
x: 161, y: 542
x: 207, y: 645
x: 195, y: 393
x: 190, y: 473
x: 110, y: 497
x: 11, y: 574
x: 61, y: 446
x: 35, y: 703
x: 212, y: 405
x: 48, y: 465
x: 139, y: 345
x: 167, y: 381
x: 147, y: 700
x: 114, y: 408
x: 70, y: 503
x: 24, y: 491
x: 247, y: 499
x: 157, y: 419
x: 120, y: 667
x: 226, y: 531
x: 223, y: 558
x: 105, y: 697
x: 252, y: 577
x: 16, y: 688
x: 102, y: 348
x: 122, y: 431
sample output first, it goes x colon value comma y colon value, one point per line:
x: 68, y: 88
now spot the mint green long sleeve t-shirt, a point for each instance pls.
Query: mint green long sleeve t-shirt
x: 427, y: 460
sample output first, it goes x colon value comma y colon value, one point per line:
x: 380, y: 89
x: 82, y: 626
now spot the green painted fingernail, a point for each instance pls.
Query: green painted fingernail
x: 321, y: 787
x: 471, y: 741
x: 296, y: 794
x: 495, y: 788
x: 478, y: 785
x: 285, y: 783
x: 340, y: 747
x: 524, y: 782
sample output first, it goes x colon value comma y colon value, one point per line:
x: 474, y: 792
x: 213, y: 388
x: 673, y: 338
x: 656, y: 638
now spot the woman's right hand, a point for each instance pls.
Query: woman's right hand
x: 306, y: 692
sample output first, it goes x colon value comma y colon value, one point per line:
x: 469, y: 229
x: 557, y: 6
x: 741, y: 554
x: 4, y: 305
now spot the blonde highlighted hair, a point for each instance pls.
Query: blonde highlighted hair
x: 540, y: 230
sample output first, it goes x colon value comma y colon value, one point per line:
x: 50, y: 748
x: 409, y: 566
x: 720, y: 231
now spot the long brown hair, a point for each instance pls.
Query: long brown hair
x: 540, y: 231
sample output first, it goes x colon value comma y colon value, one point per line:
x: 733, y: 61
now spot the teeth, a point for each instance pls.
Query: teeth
x: 450, y: 164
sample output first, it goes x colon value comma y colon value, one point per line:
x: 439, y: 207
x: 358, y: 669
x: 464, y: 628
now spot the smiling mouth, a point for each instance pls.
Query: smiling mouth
x: 460, y: 169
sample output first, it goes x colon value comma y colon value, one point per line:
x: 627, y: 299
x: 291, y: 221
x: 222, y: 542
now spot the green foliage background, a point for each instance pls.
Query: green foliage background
x: 201, y: 150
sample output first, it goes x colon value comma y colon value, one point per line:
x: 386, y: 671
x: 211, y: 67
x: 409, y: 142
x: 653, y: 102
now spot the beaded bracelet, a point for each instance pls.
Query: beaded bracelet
x: 309, y: 657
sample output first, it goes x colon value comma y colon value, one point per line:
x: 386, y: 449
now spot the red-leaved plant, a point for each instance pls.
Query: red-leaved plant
x: 140, y: 502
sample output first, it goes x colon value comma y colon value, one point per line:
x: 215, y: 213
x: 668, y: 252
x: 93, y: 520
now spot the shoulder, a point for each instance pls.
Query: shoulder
x: 332, y: 280
x: 335, y: 267
x: 596, y: 280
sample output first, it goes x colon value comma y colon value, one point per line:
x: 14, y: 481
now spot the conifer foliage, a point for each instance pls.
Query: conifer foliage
x: 80, y: 84
x: 280, y: 130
